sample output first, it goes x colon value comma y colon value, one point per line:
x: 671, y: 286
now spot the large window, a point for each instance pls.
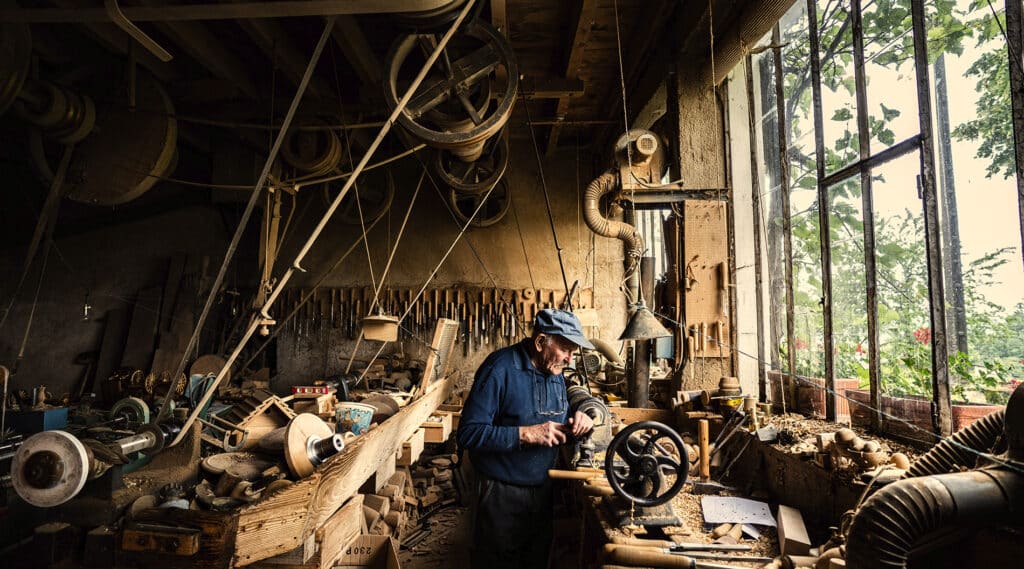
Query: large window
x: 883, y: 265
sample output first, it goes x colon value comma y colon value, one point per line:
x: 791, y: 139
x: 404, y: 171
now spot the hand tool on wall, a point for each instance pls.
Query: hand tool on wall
x: 723, y: 288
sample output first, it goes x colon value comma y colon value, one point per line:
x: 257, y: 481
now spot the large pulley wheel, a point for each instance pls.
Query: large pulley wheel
x: 493, y: 210
x: 638, y: 466
x: 477, y: 176
x: 128, y: 151
x: 436, y: 20
x: 445, y: 111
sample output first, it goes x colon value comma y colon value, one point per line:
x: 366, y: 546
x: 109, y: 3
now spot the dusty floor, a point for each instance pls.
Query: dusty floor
x: 446, y: 546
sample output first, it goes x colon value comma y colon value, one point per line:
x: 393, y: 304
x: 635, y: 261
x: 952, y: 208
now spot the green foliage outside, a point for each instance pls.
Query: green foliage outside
x: 995, y: 362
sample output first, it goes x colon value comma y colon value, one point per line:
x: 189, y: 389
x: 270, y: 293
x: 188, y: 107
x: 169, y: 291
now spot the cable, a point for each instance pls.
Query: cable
x: 544, y: 186
x: 240, y: 229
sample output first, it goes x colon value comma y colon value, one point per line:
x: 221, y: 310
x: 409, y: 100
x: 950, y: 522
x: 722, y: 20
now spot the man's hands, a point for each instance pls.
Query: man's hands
x: 547, y: 434
x: 551, y: 434
x: 581, y: 424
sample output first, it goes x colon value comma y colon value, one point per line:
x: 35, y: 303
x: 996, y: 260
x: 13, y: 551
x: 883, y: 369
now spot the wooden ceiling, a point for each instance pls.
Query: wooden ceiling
x: 247, y: 68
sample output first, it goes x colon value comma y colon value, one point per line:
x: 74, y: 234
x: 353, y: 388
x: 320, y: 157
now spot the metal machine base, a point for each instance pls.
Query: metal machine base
x: 624, y: 513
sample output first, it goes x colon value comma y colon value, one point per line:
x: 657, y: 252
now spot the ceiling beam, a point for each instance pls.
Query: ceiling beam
x: 551, y: 88
x: 194, y: 39
x: 349, y: 37
x: 220, y: 11
x: 636, y: 62
x: 584, y: 22
x: 273, y: 40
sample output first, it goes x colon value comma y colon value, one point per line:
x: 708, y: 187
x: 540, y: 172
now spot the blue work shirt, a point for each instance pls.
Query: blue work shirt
x: 509, y: 392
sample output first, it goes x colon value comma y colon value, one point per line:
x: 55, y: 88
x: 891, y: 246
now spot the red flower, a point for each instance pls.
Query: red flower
x: 860, y: 349
x: 800, y: 344
x: 923, y: 335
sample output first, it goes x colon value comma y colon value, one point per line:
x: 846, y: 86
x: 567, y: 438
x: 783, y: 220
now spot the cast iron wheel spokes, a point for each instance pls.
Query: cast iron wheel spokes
x: 641, y: 479
x: 477, y: 176
x: 493, y: 210
x: 459, y: 83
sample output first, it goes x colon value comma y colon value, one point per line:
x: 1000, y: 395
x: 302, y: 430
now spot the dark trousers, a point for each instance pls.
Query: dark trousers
x: 512, y: 525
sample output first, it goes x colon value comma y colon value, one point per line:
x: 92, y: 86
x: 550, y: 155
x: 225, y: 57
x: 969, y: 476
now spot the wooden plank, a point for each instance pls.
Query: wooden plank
x: 411, y: 449
x: 631, y: 415
x: 706, y: 246
x: 281, y: 522
x: 436, y: 367
x: 115, y: 330
x: 577, y: 46
x: 551, y: 88
x: 141, y: 342
x: 793, y: 539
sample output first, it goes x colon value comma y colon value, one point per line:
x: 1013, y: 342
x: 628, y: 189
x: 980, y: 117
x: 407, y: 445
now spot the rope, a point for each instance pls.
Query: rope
x: 547, y: 199
x: 233, y: 246
x: 296, y: 263
x: 383, y: 276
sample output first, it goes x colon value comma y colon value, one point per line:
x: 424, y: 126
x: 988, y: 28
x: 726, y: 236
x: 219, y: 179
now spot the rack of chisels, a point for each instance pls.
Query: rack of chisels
x: 488, y: 318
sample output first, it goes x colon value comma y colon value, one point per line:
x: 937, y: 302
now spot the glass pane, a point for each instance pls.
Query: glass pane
x: 978, y: 204
x: 849, y: 283
x: 904, y: 327
x: 771, y: 205
x: 808, y: 314
x: 838, y: 98
x: 889, y: 71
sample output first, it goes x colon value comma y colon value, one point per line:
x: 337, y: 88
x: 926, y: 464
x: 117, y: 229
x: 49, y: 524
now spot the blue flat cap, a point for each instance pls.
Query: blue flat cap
x: 562, y: 323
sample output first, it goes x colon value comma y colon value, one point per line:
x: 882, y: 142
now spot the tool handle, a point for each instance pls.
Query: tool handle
x: 646, y: 557
x: 705, y: 455
x: 575, y: 474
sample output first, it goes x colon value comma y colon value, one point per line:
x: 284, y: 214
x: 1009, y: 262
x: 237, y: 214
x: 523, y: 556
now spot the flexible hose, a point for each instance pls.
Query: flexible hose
x: 606, y: 227
x: 961, y: 448
x: 892, y: 522
x: 607, y: 351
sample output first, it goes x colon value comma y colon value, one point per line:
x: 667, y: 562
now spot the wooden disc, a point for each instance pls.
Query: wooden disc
x: 299, y: 430
x: 128, y: 151
x: 247, y: 465
x: 207, y: 364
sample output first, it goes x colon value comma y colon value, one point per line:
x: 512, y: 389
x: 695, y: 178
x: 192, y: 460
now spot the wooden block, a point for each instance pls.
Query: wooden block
x: 321, y: 405
x: 378, y: 479
x: 438, y: 427
x: 793, y: 538
x: 339, y: 530
x: 379, y: 503
x: 412, y: 448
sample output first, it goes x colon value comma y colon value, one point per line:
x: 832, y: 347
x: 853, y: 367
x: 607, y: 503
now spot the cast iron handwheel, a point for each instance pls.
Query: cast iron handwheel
x: 454, y: 79
x: 636, y: 467
x: 477, y: 176
x: 495, y: 208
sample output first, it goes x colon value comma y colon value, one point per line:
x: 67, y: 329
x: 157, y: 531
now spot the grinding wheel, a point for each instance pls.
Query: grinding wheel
x: 134, y: 411
x: 50, y: 468
x: 296, y: 437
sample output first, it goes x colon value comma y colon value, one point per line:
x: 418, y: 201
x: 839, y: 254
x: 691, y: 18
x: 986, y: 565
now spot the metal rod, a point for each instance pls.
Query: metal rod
x: 755, y: 190
x: 893, y: 152
x: 824, y: 230
x: 941, y: 416
x: 787, y: 228
x: 1015, y: 47
x: 256, y: 319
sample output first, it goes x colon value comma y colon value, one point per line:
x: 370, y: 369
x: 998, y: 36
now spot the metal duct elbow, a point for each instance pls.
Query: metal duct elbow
x: 601, y: 225
x: 892, y: 522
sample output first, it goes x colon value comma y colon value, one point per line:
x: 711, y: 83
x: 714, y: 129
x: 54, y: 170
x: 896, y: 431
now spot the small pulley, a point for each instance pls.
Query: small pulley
x: 493, y: 210
x: 308, y: 441
x: 477, y: 176
x: 641, y: 466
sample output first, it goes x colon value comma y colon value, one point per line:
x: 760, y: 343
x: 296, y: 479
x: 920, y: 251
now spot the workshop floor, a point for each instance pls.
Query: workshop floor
x: 447, y: 546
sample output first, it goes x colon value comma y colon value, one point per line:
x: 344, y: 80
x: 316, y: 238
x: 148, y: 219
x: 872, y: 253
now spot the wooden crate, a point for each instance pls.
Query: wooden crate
x: 439, y: 429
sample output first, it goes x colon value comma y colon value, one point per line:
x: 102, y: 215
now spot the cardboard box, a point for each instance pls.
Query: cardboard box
x: 438, y: 428
x: 370, y: 551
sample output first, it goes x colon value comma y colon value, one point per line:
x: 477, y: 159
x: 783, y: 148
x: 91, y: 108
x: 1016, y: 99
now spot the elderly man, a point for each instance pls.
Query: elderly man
x: 512, y: 423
